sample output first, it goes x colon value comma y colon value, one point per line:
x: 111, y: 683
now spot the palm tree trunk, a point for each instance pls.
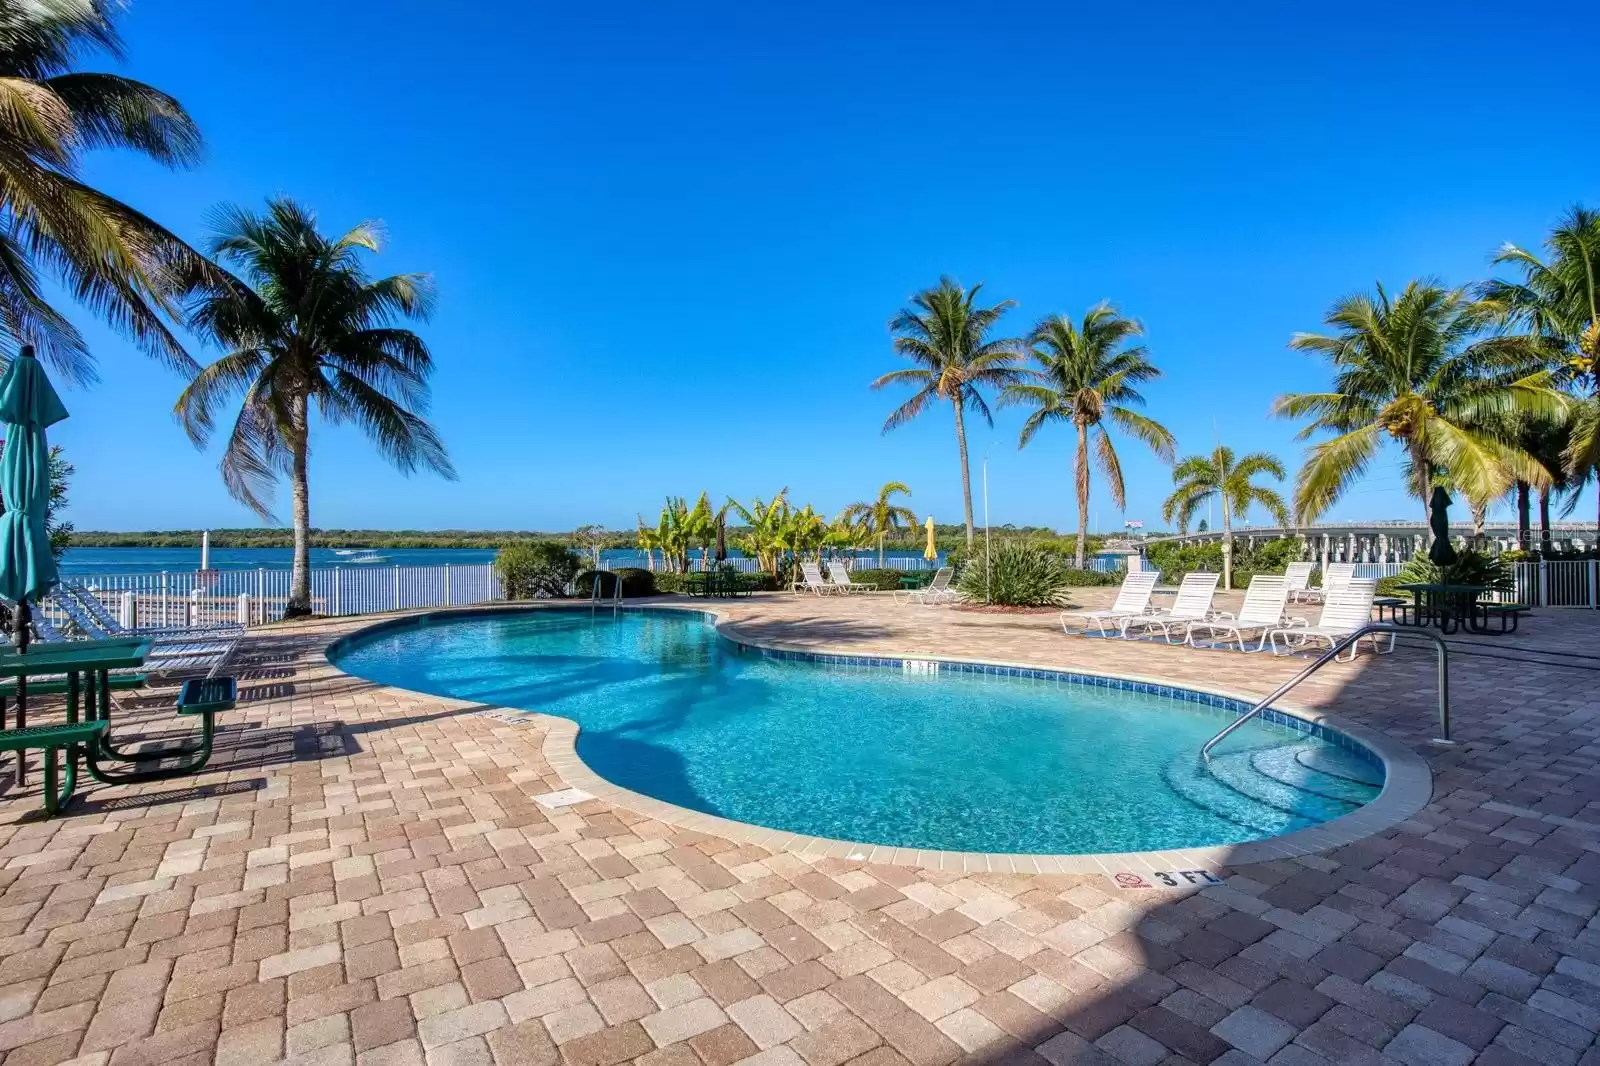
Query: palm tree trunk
x: 1227, y: 547
x: 1424, y: 474
x: 299, y: 605
x: 880, y: 551
x: 966, y: 474
x: 1544, y: 520
x: 1524, y: 523
x: 1081, y: 479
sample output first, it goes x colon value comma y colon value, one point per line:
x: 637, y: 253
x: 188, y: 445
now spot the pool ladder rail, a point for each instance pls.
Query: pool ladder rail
x: 1338, y: 648
x: 597, y: 597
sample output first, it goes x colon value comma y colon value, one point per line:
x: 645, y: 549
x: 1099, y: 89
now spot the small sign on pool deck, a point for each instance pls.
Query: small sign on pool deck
x: 1137, y: 882
x: 567, y: 797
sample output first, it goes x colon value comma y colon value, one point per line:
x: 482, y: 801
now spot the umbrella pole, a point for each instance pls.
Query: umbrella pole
x: 22, y: 617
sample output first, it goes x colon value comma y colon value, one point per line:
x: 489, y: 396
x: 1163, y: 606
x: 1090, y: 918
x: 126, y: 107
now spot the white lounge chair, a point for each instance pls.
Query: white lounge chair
x: 1334, y: 577
x: 183, y: 654
x: 1345, y: 610
x: 1262, y: 611
x: 1193, y: 604
x: 89, y: 613
x: 811, y: 580
x: 937, y: 592
x: 1133, y: 599
x: 840, y: 573
x: 1298, y: 578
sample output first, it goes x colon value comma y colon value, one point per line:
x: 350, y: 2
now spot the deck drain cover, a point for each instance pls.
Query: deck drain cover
x: 567, y: 797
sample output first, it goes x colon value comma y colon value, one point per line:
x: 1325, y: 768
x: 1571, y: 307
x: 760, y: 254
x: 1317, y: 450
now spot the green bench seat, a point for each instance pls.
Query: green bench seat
x: 51, y: 739
x: 1510, y: 614
x: 205, y: 697
x: 57, y: 686
x: 208, y: 695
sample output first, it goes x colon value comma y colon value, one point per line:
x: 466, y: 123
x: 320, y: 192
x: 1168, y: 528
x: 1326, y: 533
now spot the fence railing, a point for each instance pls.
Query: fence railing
x: 1550, y: 583
x: 251, y: 597
x: 174, y: 598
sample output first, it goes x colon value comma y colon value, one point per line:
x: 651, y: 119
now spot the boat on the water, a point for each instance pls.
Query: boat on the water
x: 361, y: 556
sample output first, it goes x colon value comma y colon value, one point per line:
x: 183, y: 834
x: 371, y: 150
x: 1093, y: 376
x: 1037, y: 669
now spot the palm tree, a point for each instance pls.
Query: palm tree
x: 671, y: 535
x: 946, y: 333
x: 1416, y: 368
x: 1220, y: 476
x: 880, y: 517
x: 1086, y: 374
x: 302, y: 326
x: 766, y: 537
x: 1556, y: 306
x: 117, y: 261
x: 649, y: 539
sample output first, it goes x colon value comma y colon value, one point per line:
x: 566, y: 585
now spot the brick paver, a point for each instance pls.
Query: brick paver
x: 364, y: 877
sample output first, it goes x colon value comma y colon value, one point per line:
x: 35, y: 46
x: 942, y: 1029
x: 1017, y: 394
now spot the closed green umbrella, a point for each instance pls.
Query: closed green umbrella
x: 28, y: 403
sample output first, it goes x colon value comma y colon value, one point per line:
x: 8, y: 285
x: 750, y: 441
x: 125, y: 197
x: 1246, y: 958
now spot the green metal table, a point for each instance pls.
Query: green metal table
x: 1449, y: 607
x: 85, y: 667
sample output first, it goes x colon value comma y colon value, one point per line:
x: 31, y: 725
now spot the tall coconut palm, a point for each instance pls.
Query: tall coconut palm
x: 1415, y: 369
x: 1222, y: 477
x: 114, y: 259
x: 303, y: 326
x: 946, y: 334
x: 882, y: 516
x: 1086, y: 374
x: 1555, y: 310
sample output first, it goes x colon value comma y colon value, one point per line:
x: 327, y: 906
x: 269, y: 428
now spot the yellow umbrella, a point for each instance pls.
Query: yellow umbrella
x: 930, y: 553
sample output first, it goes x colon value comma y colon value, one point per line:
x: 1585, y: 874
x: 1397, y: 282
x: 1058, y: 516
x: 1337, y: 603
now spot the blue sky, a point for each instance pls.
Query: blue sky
x: 667, y: 238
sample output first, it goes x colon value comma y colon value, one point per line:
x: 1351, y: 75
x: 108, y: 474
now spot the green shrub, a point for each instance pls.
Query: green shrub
x: 884, y: 580
x: 1092, y: 578
x: 635, y: 582
x: 1470, y: 568
x: 540, y: 570
x: 1016, y: 575
x: 684, y: 584
x: 1267, y: 557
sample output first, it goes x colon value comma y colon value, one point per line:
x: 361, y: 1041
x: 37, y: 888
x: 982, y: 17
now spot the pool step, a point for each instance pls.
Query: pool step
x: 1195, y: 782
x: 1275, y: 788
x: 1336, y: 763
x: 1285, y: 766
x: 1237, y: 770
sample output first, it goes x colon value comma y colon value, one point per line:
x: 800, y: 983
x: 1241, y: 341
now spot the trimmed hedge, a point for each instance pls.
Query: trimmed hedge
x: 679, y: 584
x: 532, y: 571
x: 635, y: 582
x: 884, y: 580
x: 1092, y: 578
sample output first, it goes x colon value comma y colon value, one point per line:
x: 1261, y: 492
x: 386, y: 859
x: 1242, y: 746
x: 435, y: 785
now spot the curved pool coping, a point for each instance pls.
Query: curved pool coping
x: 1407, y: 787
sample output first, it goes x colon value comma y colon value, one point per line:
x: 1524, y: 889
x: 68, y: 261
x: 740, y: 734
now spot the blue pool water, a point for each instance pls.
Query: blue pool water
x: 956, y: 761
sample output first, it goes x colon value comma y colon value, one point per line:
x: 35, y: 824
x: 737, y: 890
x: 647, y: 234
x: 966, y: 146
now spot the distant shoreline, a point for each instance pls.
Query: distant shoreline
x: 328, y: 538
x: 946, y: 537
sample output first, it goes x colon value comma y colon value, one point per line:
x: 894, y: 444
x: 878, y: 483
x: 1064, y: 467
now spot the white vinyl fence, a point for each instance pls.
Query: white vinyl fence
x: 256, y: 596
x: 1557, y: 583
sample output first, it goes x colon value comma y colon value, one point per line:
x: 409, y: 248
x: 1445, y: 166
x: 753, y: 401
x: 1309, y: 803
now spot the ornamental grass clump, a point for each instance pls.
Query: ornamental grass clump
x: 1017, y: 575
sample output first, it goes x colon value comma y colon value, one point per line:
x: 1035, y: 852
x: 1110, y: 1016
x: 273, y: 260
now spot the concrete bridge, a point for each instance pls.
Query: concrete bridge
x: 1387, y: 542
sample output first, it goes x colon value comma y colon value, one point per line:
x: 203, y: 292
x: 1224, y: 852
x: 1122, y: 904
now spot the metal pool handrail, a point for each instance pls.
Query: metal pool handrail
x: 1338, y: 647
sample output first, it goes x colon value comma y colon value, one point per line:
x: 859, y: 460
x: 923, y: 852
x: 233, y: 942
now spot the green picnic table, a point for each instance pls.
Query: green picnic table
x: 1452, y: 607
x: 82, y: 672
x: 79, y: 670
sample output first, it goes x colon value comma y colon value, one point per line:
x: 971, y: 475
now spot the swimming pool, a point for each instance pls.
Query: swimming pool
x: 946, y: 758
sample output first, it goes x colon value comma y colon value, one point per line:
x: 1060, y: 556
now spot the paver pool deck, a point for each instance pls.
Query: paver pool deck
x: 364, y: 876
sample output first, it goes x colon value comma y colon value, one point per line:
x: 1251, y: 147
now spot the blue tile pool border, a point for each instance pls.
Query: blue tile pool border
x: 1407, y: 783
x: 1228, y: 704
